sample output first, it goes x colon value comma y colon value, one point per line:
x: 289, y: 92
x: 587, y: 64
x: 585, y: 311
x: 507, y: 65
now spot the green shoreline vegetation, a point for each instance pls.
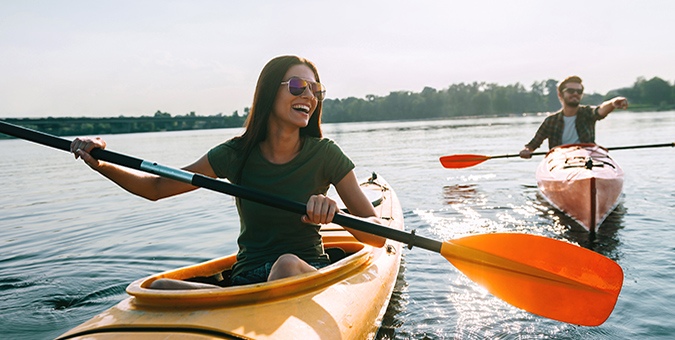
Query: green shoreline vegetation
x: 458, y: 100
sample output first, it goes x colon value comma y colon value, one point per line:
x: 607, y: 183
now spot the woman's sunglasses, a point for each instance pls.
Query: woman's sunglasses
x: 297, y: 86
x: 572, y: 91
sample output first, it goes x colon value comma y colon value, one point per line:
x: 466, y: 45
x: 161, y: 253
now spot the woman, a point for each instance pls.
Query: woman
x: 282, y: 152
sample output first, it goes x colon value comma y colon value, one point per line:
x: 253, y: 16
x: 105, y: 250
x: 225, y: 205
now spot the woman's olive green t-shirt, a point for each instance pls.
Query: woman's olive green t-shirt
x: 266, y: 232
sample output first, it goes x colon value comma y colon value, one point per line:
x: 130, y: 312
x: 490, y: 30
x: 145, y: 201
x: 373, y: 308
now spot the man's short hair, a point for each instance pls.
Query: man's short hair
x: 570, y: 79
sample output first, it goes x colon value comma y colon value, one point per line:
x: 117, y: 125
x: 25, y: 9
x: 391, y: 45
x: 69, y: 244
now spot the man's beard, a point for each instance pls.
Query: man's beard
x: 571, y: 103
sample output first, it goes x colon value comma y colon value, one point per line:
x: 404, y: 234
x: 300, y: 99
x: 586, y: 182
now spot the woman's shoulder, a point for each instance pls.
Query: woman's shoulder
x: 228, y: 149
x: 234, y: 144
x: 318, y: 140
x: 321, y: 143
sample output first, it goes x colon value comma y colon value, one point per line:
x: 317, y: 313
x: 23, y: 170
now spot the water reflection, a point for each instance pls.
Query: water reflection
x: 459, y: 193
x: 393, y: 318
x: 605, y: 241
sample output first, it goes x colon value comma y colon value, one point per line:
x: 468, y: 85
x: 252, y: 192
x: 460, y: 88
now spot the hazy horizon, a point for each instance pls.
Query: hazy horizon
x: 111, y: 58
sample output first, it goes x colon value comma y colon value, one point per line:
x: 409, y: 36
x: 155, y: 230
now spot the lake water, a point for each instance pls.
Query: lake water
x: 70, y: 241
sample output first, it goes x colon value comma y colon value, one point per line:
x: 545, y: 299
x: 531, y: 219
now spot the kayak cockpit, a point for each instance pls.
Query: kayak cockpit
x: 216, y: 271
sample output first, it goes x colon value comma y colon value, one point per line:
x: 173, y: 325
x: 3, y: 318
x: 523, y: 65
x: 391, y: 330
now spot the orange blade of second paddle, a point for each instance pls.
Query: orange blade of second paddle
x: 462, y: 161
x: 547, y: 277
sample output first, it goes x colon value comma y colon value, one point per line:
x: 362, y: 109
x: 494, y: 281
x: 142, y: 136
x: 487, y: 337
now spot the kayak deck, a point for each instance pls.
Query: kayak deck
x: 582, y: 181
x: 345, y: 300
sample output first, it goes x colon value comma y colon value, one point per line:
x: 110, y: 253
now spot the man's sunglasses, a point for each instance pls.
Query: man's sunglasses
x: 297, y: 86
x: 571, y: 91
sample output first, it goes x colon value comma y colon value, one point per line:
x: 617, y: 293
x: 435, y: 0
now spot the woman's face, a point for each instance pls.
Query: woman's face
x: 291, y: 110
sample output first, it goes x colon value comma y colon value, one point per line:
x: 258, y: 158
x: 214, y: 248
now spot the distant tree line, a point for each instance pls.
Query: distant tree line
x: 161, y: 121
x: 482, y: 98
x: 475, y: 99
x: 655, y: 94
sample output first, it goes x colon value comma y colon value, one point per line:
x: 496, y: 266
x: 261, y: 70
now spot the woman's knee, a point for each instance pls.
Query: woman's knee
x: 289, y: 265
x: 288, y: 260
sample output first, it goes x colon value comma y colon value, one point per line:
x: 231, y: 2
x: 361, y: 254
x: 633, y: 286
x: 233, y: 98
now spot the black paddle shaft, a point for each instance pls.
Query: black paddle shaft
x: 642, y: 146
x: 221, y: 186
x: 609, y: 148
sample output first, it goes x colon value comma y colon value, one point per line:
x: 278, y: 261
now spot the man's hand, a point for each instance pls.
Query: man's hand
x: 620, y: 103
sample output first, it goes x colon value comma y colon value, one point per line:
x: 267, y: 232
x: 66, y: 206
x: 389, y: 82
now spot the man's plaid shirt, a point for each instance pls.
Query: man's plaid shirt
x: 553, y: 125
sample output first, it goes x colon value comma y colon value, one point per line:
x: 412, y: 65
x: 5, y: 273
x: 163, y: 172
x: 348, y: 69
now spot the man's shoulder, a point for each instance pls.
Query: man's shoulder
x: 586, y: 110
x: 552, y: 116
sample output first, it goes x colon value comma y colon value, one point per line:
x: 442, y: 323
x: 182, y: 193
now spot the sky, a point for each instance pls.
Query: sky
x: 103, y: 58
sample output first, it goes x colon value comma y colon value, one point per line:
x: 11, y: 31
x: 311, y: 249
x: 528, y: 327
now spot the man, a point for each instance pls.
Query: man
x: 574, y: 123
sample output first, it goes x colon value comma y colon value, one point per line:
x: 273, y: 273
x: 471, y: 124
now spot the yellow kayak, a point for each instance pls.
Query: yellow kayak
x: 345, y: 300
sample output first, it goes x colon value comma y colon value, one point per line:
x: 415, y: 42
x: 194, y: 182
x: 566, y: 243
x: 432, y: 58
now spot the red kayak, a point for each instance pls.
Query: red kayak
x: 582, y: 181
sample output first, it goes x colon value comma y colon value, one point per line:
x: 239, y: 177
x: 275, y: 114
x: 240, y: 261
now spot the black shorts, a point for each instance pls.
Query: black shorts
x: 261, y: 273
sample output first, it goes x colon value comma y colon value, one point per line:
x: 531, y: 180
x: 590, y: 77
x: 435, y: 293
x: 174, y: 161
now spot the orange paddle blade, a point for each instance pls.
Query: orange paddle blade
x: 547, y: 277
x: 462, y: 161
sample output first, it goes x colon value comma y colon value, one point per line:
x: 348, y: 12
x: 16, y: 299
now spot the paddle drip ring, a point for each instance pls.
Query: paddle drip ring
x: 412, y: 239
